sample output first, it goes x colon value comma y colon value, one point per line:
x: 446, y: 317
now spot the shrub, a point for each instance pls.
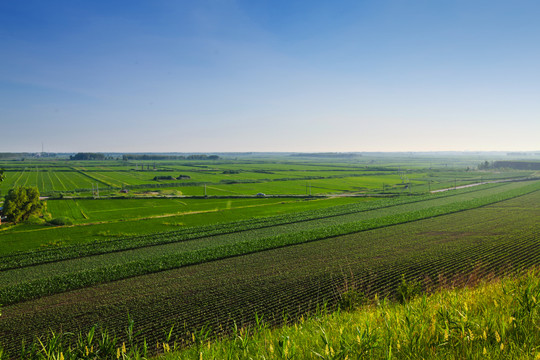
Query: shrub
x: 34, y: 220
x: 62, y: 220
x: 408, y: 289
x: 352, y: 299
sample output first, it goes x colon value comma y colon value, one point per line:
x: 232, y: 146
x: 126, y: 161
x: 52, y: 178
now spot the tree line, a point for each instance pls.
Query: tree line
x: 168, y: 157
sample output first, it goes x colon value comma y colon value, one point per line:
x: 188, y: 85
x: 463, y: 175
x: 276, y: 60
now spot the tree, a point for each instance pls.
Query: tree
x: 21, y: 202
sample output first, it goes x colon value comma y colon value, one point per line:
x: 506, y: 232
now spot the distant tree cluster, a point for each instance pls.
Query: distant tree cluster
x: 163, y: 177
x: 518, y: 165
x: 327, y: 155
x: 88, y: 156
x: 13, y: 156
x: 485, y: 165
x: 168, y: 177
x: 168, y: 157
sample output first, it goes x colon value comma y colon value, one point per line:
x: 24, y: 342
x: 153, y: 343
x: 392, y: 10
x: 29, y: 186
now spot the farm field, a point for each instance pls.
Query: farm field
x: 241, y: 177
x: 205, y: 250
x: 89, y: 210
x: 493, y: 239
x: 221, y: 245
x: 25, y: 237
x: 182, y: 248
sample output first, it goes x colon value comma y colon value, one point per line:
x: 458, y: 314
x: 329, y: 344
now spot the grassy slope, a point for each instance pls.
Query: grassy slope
x: 497, y: 320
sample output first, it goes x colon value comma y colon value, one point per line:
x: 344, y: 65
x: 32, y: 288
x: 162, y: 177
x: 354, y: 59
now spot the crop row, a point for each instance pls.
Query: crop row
x: 46, y: 286
x: 69, y: 252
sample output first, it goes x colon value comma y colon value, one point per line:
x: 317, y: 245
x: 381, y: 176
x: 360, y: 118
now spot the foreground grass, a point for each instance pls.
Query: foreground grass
x: 498, y: 320
x: 494, y: 320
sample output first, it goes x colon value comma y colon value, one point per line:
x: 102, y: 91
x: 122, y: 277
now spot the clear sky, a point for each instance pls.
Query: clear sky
x: 269, y: 75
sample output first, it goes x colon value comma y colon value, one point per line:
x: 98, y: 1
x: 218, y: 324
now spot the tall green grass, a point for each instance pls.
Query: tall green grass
x: 494, y: 320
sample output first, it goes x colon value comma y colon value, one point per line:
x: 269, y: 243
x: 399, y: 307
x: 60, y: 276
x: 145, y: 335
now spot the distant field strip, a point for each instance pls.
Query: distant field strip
x: 293, y: 280
x: 31, y: 282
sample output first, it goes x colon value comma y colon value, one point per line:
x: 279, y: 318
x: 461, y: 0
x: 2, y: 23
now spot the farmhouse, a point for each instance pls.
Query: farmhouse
x: 183, y: 177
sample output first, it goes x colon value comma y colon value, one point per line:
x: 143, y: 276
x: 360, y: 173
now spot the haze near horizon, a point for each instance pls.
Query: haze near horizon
x: 300, y: 76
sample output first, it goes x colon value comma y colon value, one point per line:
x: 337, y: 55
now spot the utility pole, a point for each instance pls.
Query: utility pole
x: 429, y: 185
x: 204, y: 190
x: 310, y: 189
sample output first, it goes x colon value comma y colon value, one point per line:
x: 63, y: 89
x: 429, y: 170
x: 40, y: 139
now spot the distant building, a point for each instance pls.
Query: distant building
x: 261, y: 194
x: 124, y: 191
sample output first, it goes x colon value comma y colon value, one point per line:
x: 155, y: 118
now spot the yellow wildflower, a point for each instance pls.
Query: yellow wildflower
x: 118, y: 353
x: 124, y: 348
x: 497, y: 336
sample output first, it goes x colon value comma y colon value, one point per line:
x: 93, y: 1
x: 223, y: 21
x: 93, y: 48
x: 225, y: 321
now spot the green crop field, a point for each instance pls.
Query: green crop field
x: 492, y: 239
x: 246, y: 177
x: 206, y: 251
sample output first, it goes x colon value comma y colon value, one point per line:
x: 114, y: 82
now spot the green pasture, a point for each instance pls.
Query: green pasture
x: 299, y: 187
x: 25, y: 237
x: 46, y: 180
x: 96, y: 210
x: 277, y: 175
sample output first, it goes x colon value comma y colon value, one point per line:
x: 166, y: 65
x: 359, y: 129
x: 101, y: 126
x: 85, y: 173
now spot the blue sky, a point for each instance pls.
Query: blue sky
x: 203, y: 76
